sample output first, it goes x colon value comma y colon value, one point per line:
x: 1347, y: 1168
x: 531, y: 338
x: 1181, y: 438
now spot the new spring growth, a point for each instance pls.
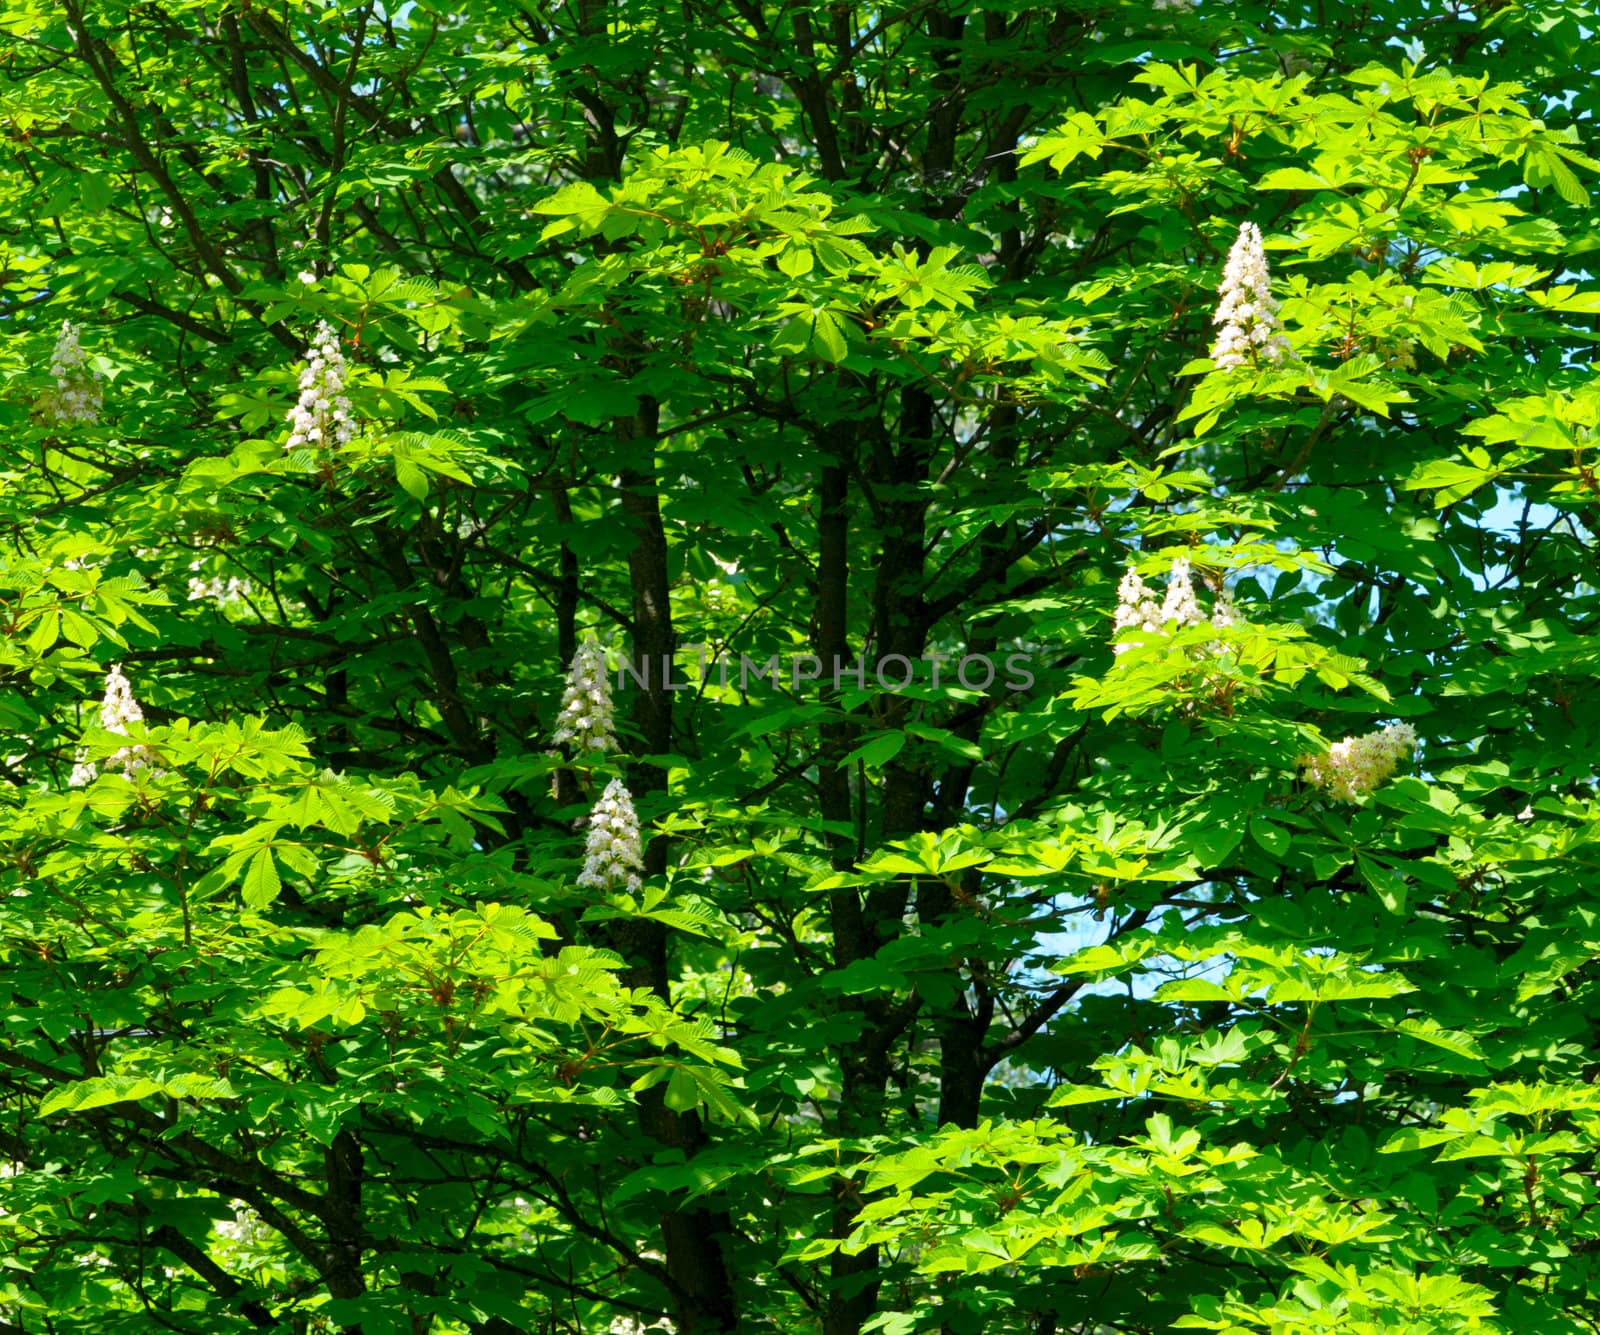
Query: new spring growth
x: 1248, y: 315
x: 118, y: 709
x: 1137, y: 606
x: 1351, y: 769
x: 613, y: 855
x: 74, y: 395
x: 586, y: 718
x: 323, y: 415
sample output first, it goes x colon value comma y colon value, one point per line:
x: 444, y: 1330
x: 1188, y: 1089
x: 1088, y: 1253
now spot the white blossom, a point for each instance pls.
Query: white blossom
x: 1248, y: 314
x: 586, y: 718
x: 1351, y: 769
x: 323, y: 416
x: 75, y: 394
x: 1179, y: 606
x: 613, y: 855
x: 118, y: 709
x: 1137, y: 606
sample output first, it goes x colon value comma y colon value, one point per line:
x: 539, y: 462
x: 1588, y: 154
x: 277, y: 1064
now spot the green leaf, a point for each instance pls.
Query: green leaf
x: 100, y: 1092
x: 45, y: 631
x: 79, y: 629
x: 827, y: 336
x: 683, y: 1094
x: 876, y: 751
x: 796, y: 261
x: 411, y: 477
x: 1273, y: 838
x: 1455, y: 481
x: 261, y: 881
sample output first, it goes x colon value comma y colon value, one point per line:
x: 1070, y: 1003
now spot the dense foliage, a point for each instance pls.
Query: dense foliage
x: 1220, y: 958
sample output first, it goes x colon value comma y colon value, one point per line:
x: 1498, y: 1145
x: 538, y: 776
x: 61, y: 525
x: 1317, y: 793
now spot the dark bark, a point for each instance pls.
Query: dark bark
x: 445, y: 679
x: 898, y: 629
x: 830, y: 644
x: 566, y: 608
x: 221, y: 1282
x: 692, y: 1239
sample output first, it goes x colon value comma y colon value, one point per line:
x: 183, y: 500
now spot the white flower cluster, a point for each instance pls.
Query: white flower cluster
x: 587, y: 719
x: 613, y: 854
x: 215, y: 588
x: 1351, y: 769
x: 1251, y: 331
x: 75, y: 395
x: 117, y: 709
x: 84, y: 772
x: 323, y: 415
x: 1137, y: 606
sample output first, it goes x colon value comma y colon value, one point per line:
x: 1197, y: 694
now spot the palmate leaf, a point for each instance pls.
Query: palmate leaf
x: 1428, y: 1031
x: 689, y: 1087
x: 1451, y: 480
x: 104, y: 1091
x: 1079, y: 136
x: 389, y: 286
x: 84, y: 1095
x: 575, y: 205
